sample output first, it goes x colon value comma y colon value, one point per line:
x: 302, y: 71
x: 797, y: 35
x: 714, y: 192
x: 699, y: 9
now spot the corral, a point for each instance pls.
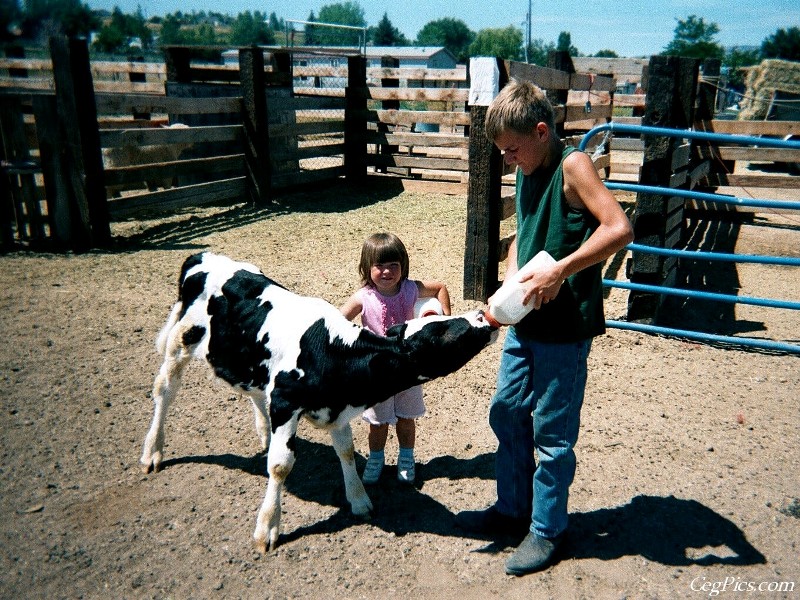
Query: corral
x: 687, y: 461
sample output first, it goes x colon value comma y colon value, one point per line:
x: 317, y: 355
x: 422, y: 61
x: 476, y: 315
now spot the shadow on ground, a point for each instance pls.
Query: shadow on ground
x: 667, y: 530
x: 181, y: 229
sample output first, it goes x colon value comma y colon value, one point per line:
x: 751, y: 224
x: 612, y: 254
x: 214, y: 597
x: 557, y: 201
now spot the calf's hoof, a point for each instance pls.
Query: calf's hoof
x: 150, y: 466
x: 262, y: 547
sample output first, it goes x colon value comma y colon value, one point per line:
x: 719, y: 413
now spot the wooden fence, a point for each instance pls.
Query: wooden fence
x: 490, y: 199
x: 267, y: 123
x: 676, y: 98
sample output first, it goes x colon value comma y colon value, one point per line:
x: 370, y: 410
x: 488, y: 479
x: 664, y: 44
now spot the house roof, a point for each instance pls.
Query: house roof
x: 400, y: 52
x: 407, y: 51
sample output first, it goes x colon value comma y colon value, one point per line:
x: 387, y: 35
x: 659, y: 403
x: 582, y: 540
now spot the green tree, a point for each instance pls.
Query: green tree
x: 505, y: 43
x: 171, y: 34
x: 564, y: 44
x: 386, y: 34
x: 122, y: 30
x: 735, y: 60
x: 694, y: 38
x: 204, y: 35
x: 274, y: 23
x: 113, y: 37
x: 606, y: 54
x: 251, y: 28
x: 311, y: 31
x: 538, y: 52
x: 49, y: 17
x: 451, y: 33
x: 346, y: 13
x: 784, y: 43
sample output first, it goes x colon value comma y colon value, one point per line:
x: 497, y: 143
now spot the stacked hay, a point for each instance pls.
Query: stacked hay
x: 763, y: 81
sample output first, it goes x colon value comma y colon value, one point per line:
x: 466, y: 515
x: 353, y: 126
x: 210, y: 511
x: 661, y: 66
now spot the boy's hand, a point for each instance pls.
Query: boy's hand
x: 542, y: 286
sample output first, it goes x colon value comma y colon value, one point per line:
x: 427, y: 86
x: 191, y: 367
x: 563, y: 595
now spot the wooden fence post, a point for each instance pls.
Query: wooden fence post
x: 355, y: 121
x: 178, y: 60
x: 561, y: 61
x: 256, y: 128
x: 62, y: 212
x: 481, y: 252
x: 388, y: 62
x: 658, y: 219
x: 77, y: 112
x: 705, y: 107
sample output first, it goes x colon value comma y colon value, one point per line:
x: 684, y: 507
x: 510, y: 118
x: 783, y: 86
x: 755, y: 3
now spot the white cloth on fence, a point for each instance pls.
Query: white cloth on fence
x: 484, y: 80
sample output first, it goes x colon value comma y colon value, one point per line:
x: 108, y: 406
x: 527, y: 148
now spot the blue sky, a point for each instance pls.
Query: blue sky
x: 630, y: 28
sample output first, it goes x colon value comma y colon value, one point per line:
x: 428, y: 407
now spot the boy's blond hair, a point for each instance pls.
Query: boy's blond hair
x: 518, y: 107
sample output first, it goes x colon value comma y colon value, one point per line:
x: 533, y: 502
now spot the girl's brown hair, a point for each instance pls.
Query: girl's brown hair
x: 382, y: 248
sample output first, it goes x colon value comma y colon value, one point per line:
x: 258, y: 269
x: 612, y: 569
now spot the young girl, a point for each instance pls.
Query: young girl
x: 387, y: 298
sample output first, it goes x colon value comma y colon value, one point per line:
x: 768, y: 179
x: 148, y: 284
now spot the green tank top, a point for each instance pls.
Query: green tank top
x: 545, y: 221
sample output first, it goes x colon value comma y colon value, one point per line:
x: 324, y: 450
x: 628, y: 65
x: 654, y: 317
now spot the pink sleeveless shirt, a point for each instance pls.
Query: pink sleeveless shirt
x: 379, y: 312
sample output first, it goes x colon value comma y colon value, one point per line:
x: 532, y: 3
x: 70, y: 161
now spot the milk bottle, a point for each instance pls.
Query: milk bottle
x: 506, y: 305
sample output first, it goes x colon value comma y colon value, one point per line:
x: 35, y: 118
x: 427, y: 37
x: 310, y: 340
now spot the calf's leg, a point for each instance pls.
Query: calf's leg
x: 262, y: 421
x: 280, y: 460
x: 165, y: 388
x: 354, y: 489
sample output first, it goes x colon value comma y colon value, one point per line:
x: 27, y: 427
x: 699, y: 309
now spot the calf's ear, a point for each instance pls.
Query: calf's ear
x: 396, y: 331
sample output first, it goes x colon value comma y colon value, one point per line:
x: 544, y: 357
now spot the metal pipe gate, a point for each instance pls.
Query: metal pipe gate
x: 760, y: 343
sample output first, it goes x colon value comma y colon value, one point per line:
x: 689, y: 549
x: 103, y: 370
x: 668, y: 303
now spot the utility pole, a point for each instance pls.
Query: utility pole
x: 528, y: 41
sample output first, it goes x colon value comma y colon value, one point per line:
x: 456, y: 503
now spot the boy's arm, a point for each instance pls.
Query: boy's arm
x: 584, y: 190
x: 435, y: 289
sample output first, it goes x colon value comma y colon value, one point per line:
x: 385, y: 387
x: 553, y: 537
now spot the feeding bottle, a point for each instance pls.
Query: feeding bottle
x: 506, y: 305
x: 428, y: 307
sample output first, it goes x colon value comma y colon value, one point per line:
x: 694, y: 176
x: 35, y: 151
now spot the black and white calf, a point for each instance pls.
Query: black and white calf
x: 295, y: 357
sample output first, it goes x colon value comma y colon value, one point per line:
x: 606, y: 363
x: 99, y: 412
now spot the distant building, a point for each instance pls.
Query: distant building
x: 429, y: 57
x: 327, y: 60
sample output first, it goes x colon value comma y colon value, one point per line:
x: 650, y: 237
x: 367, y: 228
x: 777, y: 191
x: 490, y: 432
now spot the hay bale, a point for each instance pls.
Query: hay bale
x: 762, y: 81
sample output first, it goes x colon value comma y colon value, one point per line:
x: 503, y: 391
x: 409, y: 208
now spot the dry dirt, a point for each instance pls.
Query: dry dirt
x: 688, y: 458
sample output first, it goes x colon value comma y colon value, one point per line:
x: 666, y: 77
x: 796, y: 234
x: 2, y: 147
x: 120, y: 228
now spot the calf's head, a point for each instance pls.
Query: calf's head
x: 438, y: 346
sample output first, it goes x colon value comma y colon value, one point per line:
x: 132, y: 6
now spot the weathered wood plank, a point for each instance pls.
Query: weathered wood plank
x: 153, y: 171
x: 417, y: 94
x: 163, y: 136
x: 409, y: 117
x: 771, y: 128
x: 789, y: 182
x: 544, y: 77
x: 195, y: 195
x: 438, y: 140
x: 413, y: 162
x: 148, y: 103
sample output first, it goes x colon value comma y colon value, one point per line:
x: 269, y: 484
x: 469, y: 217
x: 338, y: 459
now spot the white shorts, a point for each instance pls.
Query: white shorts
x: 405, y: 405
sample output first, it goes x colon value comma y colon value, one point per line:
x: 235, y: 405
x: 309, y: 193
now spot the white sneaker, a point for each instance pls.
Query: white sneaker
x: 405, y: 469
x: 372, y: 470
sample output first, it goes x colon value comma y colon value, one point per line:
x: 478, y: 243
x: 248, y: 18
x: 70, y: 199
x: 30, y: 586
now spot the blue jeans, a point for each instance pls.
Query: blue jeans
x: 540, y: 388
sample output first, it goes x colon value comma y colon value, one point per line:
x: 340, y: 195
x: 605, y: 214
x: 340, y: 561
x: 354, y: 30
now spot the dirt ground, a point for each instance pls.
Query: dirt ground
x: 688, y: 460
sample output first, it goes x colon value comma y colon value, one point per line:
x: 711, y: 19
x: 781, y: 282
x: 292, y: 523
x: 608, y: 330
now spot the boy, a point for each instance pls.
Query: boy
x: 564, y: 208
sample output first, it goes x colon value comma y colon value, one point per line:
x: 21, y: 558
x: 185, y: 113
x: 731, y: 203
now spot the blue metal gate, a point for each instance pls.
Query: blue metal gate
x: 759, y: 343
